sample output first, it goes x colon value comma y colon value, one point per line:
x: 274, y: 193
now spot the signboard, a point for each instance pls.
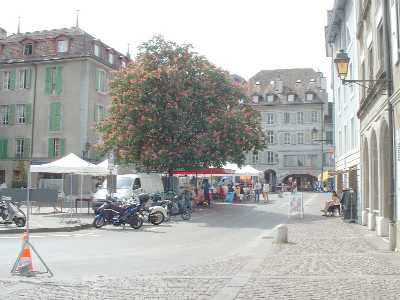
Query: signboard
x: 111, y: 161
x: 296, y: 205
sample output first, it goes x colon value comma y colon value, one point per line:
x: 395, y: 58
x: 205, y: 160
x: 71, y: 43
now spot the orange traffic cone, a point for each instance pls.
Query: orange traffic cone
x: 25, y: 261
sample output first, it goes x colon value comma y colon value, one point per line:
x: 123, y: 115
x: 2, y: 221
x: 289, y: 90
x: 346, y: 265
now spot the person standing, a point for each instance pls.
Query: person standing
x: 206, y: 191
x: 265, y: 191
x: 257, y: 190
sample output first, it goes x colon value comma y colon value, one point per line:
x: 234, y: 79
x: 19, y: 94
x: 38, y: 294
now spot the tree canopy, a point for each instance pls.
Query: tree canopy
x: 172, y: 109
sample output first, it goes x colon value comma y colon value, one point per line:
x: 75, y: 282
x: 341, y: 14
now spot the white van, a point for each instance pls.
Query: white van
x: 129, y: 184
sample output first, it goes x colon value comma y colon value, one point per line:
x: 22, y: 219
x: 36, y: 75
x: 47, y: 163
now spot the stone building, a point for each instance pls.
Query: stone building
x: 294, y: 109
x: 341, y: 34
x: 53, y: 91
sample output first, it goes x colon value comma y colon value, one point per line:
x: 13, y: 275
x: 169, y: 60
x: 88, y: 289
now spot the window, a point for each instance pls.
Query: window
x: 4, y: 114
x: 300, y: 117
x: 62, y: 46
x: 19, y: 148
x: 286, y: 118
x: 329, y: 137
x: 255, y: 99
x: 339, y: 96
x: 270, y: 98
x: 9, y: 80
x: 314, y: 135
x: 101, y: 81
x: 270, y: 118
x: 314, y: 116
x: 300, y: 138
x: 380, y: 46
x: 270, y: 137
x: 353, y: 133
x: 290, y: 98
x: 53, y: 84
x: 339, y: 141
x: 270, y: 157
x: 286, y: 138
x: 20, y: 114
x: 100, y: 113
x: 363, y: 72
x: 24, y: 79
x: 2, y: 176
x: 255, y: 158
x: 300, y: 160
x: 28, y: 49
x: 111, y: 58
x: 309, y: 97
x: 371, y: 65
x: 345, y: 141
x: 97, y: 50
x: 56, y: 147
x: 3, y: 148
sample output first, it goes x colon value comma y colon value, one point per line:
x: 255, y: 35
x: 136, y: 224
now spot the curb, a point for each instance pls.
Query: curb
x: 45, y: 229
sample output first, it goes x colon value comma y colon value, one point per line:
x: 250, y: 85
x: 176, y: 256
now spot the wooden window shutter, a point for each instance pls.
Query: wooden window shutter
x: 13, y: 77
x: 28, y: 78
x: 28, y: 113
x: 59, y: 80
x: 47, y: 85
x: 62, y: 147
x: 11, y: 114
x: 97, y: 80
x: 55, y: 116
x: 3, y: 148
x: 51, y: 148
x: 27, y: 148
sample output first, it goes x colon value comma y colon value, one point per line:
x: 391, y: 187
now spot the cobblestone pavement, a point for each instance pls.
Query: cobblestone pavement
x: 325, y: 259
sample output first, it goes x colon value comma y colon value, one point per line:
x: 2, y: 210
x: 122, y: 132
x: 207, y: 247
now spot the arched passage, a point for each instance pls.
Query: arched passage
x: 270, y: 178
x: 384, y: 168
x: 374, y: 174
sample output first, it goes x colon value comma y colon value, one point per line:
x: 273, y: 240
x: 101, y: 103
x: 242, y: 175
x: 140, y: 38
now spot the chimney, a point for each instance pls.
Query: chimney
x: 3, y: 34
x: 278, y: 86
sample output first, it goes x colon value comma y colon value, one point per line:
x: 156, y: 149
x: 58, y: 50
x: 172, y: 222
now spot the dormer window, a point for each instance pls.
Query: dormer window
x: 290, y: 97
x: 309, y: 97
x: 62, y: 46
x: 270, y: 98
x: 28, y: 49
x: 110, y: 57
x: 97, y: 50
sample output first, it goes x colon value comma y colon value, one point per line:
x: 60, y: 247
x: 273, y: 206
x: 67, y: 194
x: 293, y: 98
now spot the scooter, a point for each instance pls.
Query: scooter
x: 10, y: 212
x: 111, y: 212
x: 152, y: 214
x: 180, y: 205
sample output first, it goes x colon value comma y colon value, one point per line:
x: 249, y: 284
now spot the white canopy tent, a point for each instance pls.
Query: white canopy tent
x: 105, y: 165
x: 248, y: 171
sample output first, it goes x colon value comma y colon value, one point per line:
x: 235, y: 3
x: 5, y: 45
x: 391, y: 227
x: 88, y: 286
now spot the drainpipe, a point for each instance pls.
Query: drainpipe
x: 35, y: 68
x: 392, y: 154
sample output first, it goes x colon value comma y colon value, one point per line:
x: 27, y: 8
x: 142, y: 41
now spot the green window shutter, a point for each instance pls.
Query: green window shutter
x: 97, y: 80
x: 47, y: 83
x: 28, y: 113
x: 11, y: 114
x: 27, y: 148
x: 28, y: 78
x: 13, y: 76
x: 3, y: 148
x: 55, y: 116
x: 96, y: 108
x: 59, y: 80
x: 51, y: 148
x: 62, y: 147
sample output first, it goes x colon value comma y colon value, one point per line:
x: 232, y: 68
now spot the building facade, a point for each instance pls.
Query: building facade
x: 53, y: 91
x: 341, y: 33
x: 294, y: 109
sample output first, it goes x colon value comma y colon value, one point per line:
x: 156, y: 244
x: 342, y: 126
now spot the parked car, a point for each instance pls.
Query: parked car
x: 127, y: 185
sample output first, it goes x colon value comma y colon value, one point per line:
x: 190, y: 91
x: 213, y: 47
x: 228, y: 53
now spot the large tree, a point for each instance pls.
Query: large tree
x: 173, y: 109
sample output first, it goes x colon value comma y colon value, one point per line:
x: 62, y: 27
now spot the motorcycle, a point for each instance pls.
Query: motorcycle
x: 10, y: 212
x: 110, y: 212
x: 177, y: 206
x: 152, y: 214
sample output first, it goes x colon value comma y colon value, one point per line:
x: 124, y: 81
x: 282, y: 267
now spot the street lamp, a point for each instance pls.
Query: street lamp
x: 342, y: 61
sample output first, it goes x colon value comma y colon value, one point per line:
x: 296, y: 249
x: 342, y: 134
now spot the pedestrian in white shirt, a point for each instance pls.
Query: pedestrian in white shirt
x: 265, y: 191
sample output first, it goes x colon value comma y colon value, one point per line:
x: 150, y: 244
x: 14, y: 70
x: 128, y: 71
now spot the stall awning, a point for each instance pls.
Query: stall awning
x: 208, y: 171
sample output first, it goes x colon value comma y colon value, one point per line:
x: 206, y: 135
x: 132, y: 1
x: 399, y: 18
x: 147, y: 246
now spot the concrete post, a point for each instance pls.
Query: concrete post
x: 281, y: 234
x: 364, y: 217
x: 392, y: 236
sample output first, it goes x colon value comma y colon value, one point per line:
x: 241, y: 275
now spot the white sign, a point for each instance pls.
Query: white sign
x: 296, y: 206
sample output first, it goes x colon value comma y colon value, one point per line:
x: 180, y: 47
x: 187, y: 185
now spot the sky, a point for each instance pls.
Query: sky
x: 242, y: 37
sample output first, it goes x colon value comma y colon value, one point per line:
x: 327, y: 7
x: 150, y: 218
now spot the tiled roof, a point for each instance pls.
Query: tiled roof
x: 44, y: 34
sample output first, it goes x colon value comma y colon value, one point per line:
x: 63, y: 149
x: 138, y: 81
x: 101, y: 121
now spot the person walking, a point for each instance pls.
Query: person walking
x: 265, y: 191
x: 257, y: 190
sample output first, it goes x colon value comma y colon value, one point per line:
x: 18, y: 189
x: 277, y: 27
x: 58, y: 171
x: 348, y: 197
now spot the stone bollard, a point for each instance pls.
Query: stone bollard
x: 281, y: 234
